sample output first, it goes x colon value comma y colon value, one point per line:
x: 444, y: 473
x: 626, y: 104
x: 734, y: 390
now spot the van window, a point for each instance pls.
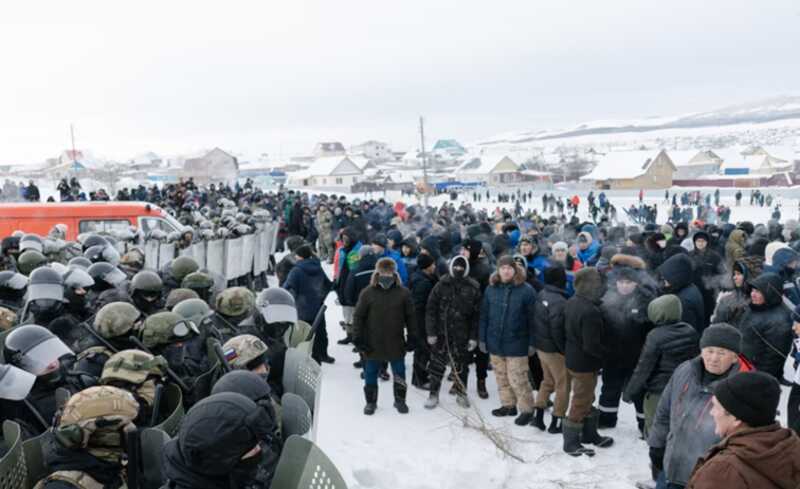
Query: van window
x: 150, y: 224
x: 103, y: 225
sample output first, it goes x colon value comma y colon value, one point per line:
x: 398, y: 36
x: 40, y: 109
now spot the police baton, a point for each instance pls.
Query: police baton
x: 317, y: 321
x: 96, y: 335
x: 134, y: 449
x: 156, y: 404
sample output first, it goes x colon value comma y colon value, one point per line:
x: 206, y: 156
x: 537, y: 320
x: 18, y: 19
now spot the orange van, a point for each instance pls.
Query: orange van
x: 84, y: 217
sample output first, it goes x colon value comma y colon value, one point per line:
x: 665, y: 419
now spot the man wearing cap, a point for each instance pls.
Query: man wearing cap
x: 755, y: 452
x: 683, y: 428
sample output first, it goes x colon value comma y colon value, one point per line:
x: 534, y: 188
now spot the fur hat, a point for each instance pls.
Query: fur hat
x: 631, y: 261
x: 386, y: 265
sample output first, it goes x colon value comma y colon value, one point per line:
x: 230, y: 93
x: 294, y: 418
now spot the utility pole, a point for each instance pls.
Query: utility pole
x: 424, y: 162
x: 74, y: 155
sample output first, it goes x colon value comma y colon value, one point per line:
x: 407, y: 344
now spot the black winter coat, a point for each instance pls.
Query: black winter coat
x: 549, y: 318
x: 421, y: 286
x: 763, y: 332
x: 309, y: 286
x: 626, y: 325
x: 453, y: 311
x: 666, y: 347
x: 359, y: 279
x: 380, y: 320
x: 583, y: 322
x: 679, y: 272
x: 481, y: 272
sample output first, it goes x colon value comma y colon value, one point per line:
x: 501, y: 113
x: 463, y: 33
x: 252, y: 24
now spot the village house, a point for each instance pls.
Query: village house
x: 490, y: 169
x: 215, y: 166
x: 330, y: 173
x: 633, y: 170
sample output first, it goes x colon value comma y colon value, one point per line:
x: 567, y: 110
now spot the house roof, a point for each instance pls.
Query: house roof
x: 622, y: 164
x: 330, y: 146
x: 330, y: 165
x: 482, y: 164
x: 447, y: 144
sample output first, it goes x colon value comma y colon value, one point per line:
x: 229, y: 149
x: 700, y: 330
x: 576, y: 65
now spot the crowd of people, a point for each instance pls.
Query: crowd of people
x: 695, y: 324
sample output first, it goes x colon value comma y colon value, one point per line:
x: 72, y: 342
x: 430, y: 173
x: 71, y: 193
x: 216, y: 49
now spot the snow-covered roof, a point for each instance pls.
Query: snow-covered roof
x: 483, y: 164
x: 328, y: 165
x: 622, y: 164
x: 360, y: 161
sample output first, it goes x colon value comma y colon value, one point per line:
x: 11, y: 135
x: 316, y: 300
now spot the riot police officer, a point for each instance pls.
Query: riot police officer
x: 13, y: 286
x: 139, y: 373
x: 146, y: 292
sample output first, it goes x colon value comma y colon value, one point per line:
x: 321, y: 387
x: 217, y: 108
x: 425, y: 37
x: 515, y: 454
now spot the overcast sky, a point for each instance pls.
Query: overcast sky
x: 174, y: 76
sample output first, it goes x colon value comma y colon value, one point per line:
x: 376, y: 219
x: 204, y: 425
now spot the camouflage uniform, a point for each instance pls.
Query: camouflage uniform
x: 325, y: 229
x: 91, y: 425
x: 233, y: 305
x: 137, y: 372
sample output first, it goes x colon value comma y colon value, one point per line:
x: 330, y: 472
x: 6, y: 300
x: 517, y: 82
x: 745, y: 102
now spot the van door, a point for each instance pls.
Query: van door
x: 150, y: 224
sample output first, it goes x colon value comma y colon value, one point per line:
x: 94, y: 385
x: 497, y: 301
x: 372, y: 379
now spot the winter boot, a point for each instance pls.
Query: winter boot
x: 371, y: 396
x: 432, y: 401
x: 482, y: 392
x: 524, y: 419
x: 606, y: 420
x: 572, y: 440
x: 345, y: 341
x: 358, y: 364
x: 400, y: 388
x: 461, y: 400
x: 538, y: 419
x: 555, y: 425
x: 504, y: 411
x: 590, y: 434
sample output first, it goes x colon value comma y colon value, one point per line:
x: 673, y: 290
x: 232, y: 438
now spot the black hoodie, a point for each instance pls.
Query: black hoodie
x: 679, y: 272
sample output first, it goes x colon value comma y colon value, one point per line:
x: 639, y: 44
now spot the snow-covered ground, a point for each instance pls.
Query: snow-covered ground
x: 431, y: 449
x: 434, y: 450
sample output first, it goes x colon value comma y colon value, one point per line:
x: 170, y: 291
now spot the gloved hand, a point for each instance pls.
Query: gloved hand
x: 471, y: 345
x: 482, y: 347
x: 657, y: 458
x: 432, y: 340
x: 531, y: 351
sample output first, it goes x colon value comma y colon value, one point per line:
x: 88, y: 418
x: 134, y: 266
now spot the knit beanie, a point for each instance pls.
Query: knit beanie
x: 722, y: 335
x: 751, y: 397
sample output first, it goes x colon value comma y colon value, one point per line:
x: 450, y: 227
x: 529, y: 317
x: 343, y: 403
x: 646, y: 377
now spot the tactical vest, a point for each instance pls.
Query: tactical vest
x: 79, y: 479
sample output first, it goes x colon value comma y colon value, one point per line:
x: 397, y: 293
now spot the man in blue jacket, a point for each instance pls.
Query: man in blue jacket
x: 507, y: 332
x: 309, y: 285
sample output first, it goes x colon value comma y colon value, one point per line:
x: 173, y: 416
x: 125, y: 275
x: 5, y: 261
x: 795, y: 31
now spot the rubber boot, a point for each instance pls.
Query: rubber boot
x: 590, y: 434
x: 371, y: 396
x: 538, y: 419
x: 572, y: 440
x: 400, y: 388
x: 504, y: 411
x: 555, y: 425
x: 524, y: 419
x: 606, y: 420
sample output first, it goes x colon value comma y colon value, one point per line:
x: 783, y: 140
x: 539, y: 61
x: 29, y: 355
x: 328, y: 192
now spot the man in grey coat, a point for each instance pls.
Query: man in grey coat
x: 683, y: 429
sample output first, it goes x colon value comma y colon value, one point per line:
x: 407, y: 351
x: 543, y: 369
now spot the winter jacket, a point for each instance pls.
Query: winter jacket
x: 360, y: 278
x: 683, y: 422
x: 549, y: 320
x: 453, y: 311
x: 731, y: 305
x: 421, y: 286
x: 735, y: 247
x: 626, y: 325
x: 583, y: 323
x: 751, y: 458
x: 767, y: 328
x: 591, y: 254
x: 480, y: 271
x: 665, y: 347
x: 309, y: 286
x: 678, y: 271
x: 347, y: 263
x: 507, y: 316
x: 380, y: 318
